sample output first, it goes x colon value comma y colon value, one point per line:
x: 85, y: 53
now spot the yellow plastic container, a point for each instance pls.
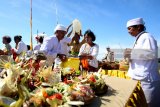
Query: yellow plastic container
x: 71, y: 63
x: 104, y: 72
x: 123, y: 67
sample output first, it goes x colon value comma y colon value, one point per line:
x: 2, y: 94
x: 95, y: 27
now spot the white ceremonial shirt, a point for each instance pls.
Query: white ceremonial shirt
x: 37, y: 46
x: 64, y: 45
x: 51, y: 46
x: 22, y: 47
x: 144, y: 58
x: 93, y: 51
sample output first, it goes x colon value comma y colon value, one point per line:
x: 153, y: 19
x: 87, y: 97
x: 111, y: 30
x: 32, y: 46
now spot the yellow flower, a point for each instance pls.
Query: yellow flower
x: 7, y: 65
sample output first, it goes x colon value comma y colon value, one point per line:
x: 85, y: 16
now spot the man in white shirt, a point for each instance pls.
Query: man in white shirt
x: 144, y: 61
x: 56, y: 45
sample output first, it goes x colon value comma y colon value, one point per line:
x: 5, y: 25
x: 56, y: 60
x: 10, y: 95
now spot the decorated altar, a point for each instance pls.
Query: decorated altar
x: 22, y: 85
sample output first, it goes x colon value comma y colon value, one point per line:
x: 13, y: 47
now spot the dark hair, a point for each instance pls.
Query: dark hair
x: 28, y: 47
x: 41, y: 39
x: 19, y: 37
x: 8, y: 38
x: 90, y: 34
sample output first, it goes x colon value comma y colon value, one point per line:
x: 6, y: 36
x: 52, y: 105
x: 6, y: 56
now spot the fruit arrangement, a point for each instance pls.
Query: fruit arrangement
x: 32, y: 87
x: 82, y: 92
x: 97, y: 83
x: 109, y: 65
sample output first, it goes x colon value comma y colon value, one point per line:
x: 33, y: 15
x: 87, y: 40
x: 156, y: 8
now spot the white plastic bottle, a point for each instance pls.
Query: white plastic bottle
x: 57, y: 63
x: 57, y: 68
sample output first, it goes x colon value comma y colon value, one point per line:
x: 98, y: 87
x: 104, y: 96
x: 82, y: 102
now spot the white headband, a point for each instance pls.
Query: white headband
x: 60, y: 27
x: 136, y: 21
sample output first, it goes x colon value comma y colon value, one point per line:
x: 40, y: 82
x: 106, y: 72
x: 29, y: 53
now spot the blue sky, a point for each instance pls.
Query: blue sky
x: 106, y: 18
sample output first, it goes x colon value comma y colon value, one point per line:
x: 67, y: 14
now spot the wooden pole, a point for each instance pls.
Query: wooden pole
x: 31, y: 44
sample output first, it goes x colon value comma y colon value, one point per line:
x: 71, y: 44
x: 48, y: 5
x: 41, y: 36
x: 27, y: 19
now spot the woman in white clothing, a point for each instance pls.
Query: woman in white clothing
x: 39, y: 42
x: 144, y: 61
x: 88, y: 52
x: 20, y: 46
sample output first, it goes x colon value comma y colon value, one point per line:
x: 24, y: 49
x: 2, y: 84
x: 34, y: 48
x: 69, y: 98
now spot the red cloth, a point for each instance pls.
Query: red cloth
x: 14, y: 54
x: 85, y: 63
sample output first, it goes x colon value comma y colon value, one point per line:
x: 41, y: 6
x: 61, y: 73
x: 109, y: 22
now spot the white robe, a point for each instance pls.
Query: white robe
x: 51, y: 47
x: 144, y: 67
x: 37, y: 46
x: 22, y: 47
x: 93, y: 51
x: 144, y: 59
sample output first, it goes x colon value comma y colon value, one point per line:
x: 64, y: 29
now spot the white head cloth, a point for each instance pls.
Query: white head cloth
x: 136, y: 21
x: 60, y: 27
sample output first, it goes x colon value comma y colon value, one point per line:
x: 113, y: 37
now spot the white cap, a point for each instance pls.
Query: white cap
x: 136, y: 21
x: 60, y: 27
x: 40, y: 34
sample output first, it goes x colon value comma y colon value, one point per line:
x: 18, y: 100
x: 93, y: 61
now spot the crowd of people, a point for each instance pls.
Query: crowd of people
x: 143, y: 57
x: 59, y: 45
